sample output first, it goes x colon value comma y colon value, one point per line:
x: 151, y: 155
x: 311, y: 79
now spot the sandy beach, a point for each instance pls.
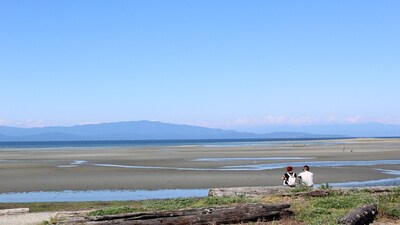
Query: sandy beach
x: 189, y: 167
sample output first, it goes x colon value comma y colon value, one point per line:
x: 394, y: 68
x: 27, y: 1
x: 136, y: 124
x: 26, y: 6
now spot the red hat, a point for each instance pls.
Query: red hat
x: 289, y: 168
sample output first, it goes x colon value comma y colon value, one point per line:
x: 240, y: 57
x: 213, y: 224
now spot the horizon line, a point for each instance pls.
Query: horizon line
x: 19, y: 125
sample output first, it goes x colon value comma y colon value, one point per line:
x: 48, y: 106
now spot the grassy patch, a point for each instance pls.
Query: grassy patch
x: 328, y: 210
x: 49, y: 222
x: 172, y: 204
x: 113, y: 211
x: 62, y: 206
x: 300, y: 188
x: 389, y: 205
x: 325, y: 186
x: 343, y: 201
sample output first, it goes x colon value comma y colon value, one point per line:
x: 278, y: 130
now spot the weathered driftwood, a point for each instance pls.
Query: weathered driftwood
x: 246, y: 191
x: 13, y: 211
x: 280, y: 190
x: 377, y: 189
x: 361, y: 216
x: 313, y: 193
x: 259, y: 191
x: 217, y: 215
x: 69, y: 218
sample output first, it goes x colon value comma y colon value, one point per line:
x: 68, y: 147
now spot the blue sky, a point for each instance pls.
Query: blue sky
x: 226, y: 64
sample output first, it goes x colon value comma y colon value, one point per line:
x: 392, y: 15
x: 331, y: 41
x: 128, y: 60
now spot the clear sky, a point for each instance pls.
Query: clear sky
x: 225, y: 63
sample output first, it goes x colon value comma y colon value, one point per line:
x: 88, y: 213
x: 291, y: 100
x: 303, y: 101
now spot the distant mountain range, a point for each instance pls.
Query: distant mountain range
x: 136, y: 130
x: 353, y: 130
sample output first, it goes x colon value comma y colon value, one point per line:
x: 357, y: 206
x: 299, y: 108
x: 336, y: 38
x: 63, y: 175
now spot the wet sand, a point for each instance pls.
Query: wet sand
x: 77, y: 169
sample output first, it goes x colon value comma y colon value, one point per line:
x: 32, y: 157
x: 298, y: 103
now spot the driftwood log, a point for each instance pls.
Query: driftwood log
x: 246, y: 191
x: 361, y: 216
x: 259, y: 191
x: 13, y: 211
x: 216, y: 215
x: 313, y: 193
x: 285, y: 191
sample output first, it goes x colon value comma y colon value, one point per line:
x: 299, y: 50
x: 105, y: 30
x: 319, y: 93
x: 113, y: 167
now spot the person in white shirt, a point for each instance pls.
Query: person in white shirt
x: 307, y: 177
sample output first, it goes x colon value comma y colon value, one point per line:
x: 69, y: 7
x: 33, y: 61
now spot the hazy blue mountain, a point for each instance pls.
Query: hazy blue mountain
x: 354, y: 130
x: 136, y: 130
x: 5, y: 138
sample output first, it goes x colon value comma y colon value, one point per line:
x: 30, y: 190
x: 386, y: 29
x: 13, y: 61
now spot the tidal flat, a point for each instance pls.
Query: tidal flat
x: 196, y: 166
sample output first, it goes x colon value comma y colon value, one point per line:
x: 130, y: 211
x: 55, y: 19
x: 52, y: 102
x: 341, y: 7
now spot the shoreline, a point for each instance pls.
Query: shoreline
x: 137, y: 195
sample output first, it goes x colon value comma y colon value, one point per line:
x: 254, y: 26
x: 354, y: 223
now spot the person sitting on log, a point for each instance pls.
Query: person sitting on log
x: 306, y: 177
x: 290, y: 177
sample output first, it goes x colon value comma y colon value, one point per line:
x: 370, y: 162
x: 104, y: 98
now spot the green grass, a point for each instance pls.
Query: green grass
x: 325, y: 186
x: 300, y: 188
x: 49, y: 222
x: 173, y: 204
x: 62, y: 206
x: 389, y: 205
x: 344, y: 201
x: 328, y: 210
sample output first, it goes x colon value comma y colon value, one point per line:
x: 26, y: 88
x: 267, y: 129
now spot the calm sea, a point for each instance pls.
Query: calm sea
x: 149, y: 143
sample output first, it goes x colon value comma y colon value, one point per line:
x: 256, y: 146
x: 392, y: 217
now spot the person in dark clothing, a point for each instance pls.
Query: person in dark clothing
x: 290, y: 177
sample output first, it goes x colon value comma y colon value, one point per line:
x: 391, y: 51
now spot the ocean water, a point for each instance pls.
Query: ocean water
x: 99, y: 195
x: 149, y: 143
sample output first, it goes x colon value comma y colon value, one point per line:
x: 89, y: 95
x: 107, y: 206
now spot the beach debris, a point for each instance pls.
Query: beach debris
x: 284, y: 191
x: 262, y: 191
x: 213, y: 215
x: 246, y: 191
x: 13, y: 211
x: 361, y: 216
x: 313, y: 193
